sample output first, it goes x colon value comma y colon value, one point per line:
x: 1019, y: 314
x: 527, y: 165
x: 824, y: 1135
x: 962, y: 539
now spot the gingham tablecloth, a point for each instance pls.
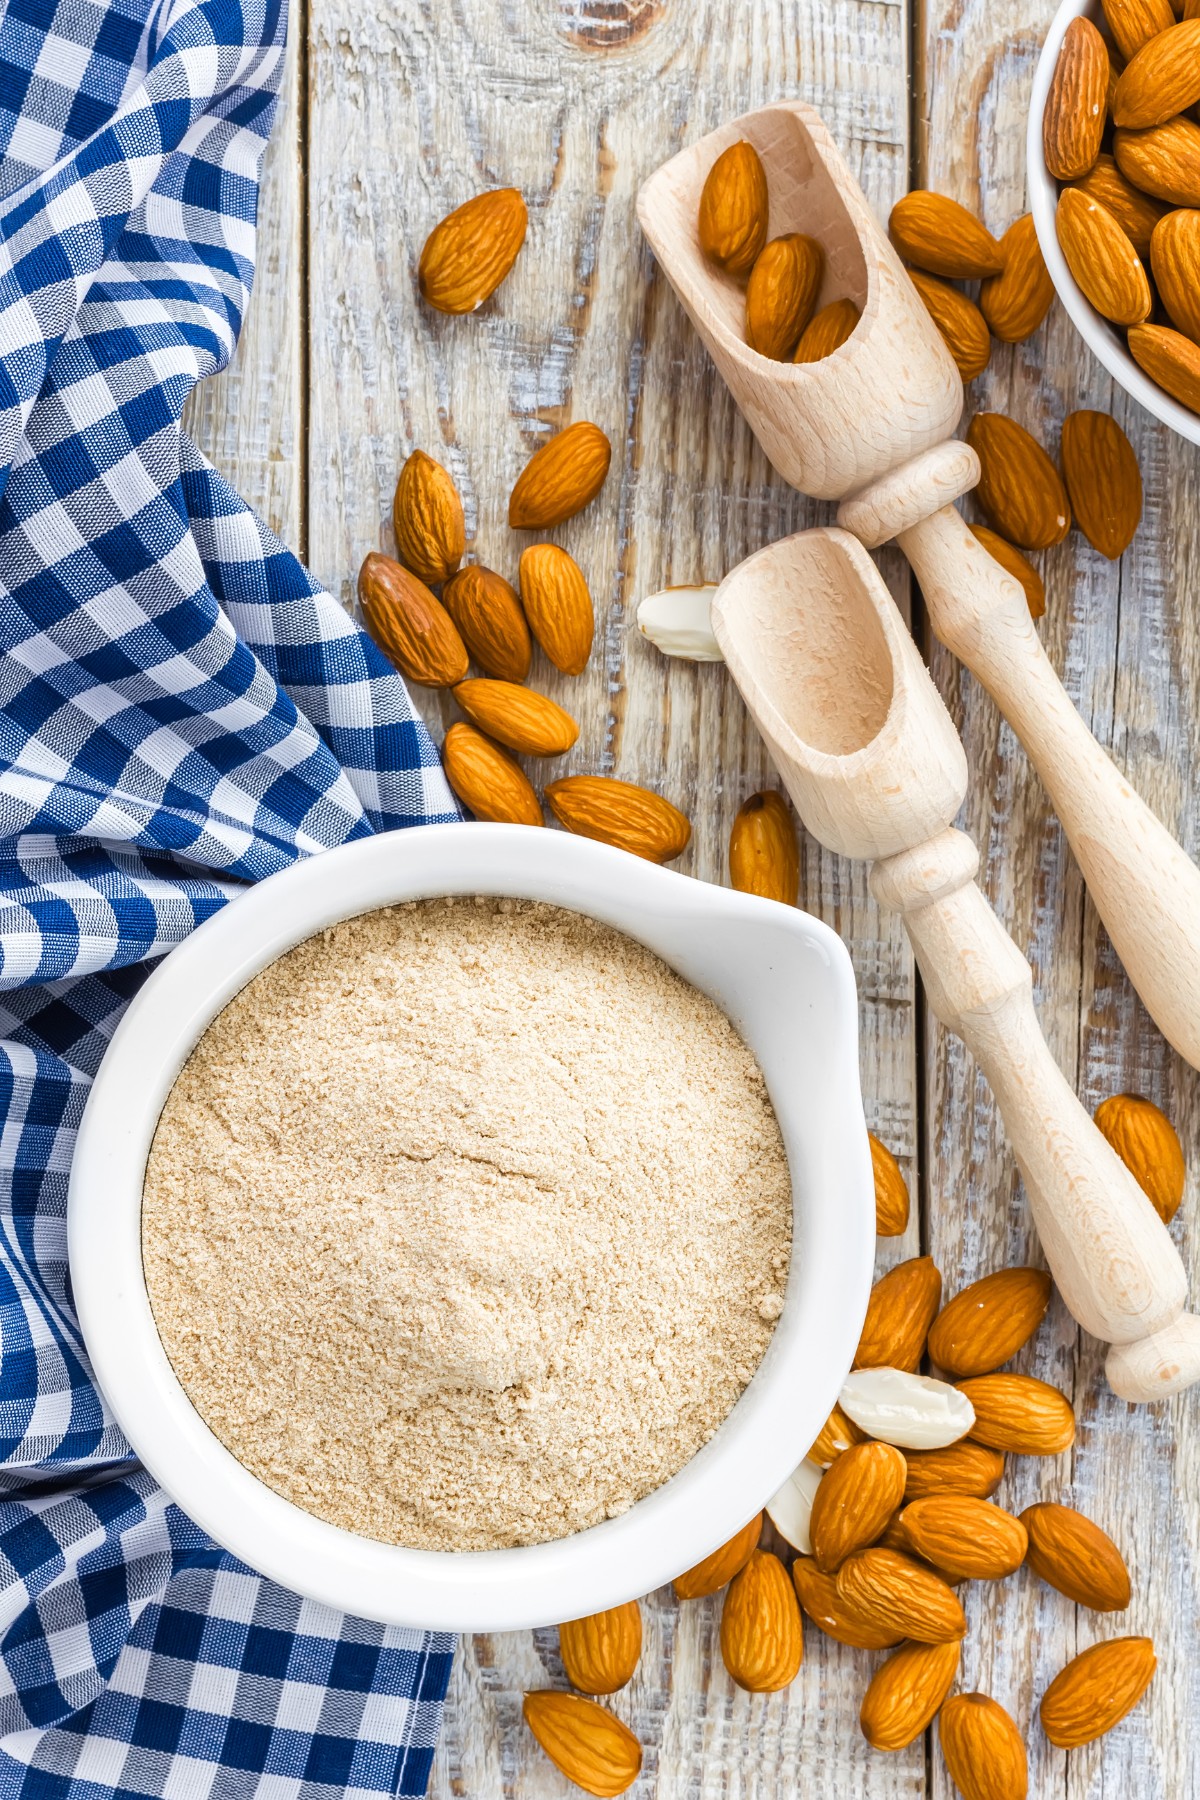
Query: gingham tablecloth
x: 182, y: 709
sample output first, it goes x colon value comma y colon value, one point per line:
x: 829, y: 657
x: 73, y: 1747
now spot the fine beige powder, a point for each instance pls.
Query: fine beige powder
x: 466, y: 1224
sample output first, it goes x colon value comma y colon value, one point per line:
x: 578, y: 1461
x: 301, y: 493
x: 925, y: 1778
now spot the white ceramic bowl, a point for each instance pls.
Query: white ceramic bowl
x: 786, y: 982
x: 1103, y: 339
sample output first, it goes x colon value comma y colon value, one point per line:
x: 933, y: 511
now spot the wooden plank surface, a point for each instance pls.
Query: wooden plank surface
x: 399, y: 114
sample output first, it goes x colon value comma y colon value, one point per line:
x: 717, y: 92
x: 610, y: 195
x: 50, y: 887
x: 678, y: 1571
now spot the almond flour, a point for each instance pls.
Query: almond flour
x: 467, y: 1223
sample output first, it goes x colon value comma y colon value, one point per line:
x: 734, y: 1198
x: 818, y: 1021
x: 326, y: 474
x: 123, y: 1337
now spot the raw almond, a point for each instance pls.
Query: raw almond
x: 558, y: 606
x: 1134, y: 22
x: 1020, y: 1413
x: 762, y: 1634
x: 959, y: 320
x: 827, y: 331
x: 891, y: 1591
x: 1019, y: 489
x: 529, y: 723
x: 891, y: 1190
x: 1072, y: 1554
x: 618, y: 813
x: 836, y: 1435
x: 1105, y: 264
x: 820, y: 1599
x: 764, y: 856
x: 938, y: 235
x: 987, y: 1323
x: 790, y: 1509
x: 427, y: 517
x: 1175, y: 262
x: 560, y: 478
x: 912, y: 1411
x: 906, y: 1692
x: 1103, y: 481
x: 733, y: 209
x: 1136, y: 213
x: 721, y: 1565
x: 1162, y: 79
x: 1015, y: 302
x: 488, y: 614
x: 901, y: 1309
x: 1148, y: 1144
x: 1163, y: 160
x: 1096, y: 1690
x: 583, y: 1740
x: 1014, y: 564
x: 964, y: 1468
x: 410, y: 625
x: 858, y: 1494
x: 1170, y: 359
x: 965, y: 1538
x: 781, y: 294
x: 984, y: 1751
x: 600, y: 1653
x: 1073, y: 122
x: 486, y: 779
x: 469, y: 253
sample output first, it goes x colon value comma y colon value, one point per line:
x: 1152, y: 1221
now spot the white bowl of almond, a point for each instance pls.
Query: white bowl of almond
x: 1114, y: 184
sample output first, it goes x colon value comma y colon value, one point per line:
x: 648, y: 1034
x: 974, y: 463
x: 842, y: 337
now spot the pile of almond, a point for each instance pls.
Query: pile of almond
x: 1119, y: 133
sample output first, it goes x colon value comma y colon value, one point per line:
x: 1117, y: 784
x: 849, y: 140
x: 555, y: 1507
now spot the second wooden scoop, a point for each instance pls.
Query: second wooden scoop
x: 872, y: 760
x: 872, y: 426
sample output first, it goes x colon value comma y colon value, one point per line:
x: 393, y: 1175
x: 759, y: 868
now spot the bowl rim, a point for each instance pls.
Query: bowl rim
x: 746, y: 1461
x: 1096, y: 331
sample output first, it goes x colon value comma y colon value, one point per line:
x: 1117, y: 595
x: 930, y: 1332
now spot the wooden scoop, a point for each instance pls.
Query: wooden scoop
x: 874, y: 764
x: 869, y: 426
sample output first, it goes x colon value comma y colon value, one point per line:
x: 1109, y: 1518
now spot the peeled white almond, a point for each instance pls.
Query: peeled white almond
x: 678, y: 621
x: 914, y: 1412
x: 789, y: 1510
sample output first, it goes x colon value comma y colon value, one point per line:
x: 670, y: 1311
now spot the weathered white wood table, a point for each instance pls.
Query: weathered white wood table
x: 394, y: 114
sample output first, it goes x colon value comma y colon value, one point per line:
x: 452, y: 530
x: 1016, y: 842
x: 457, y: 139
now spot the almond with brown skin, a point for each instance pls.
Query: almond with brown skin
x: 1104, y: 263
x: 427, y: 517
x: 1020, y: 1414
x: 486, y: 779
x: 1136, y: 213
x: 1103, y: 481
x: 1134, y: 22
x: 1148, y: 1144
x: 781, y: 294
x: 469, y: 253
x: 906, y: 1692
x: 964, y: 1468
x: 1016, y: 565
x: 856, y: 1497
x: 558, y: 606
x: 1170, y: 359
x: 764, y: 855
x: 1096, y: 1690
x: 616, y: 812
x: 1072, y: 1554
x: 585, y: 1741
x: 488, y: 614
x: 988, y: 1322
x: 1073, y: 122
x: 762, y: 1634
x: 890, y: 1590
x: 733, y: 209
x: 959, y: 320
x: 529, y: 723
x: 1019, y: 489
x: 1015, y: 302
x: 561, y: 478
x: 721, y: 1565
x: 965, y: 1538
x: 1163, y: 79
x: 820, y: 1599
x: 984, y: 1751
x: 410, y: 625
x: 828, y: 330
x: 836, y: 1435
x: 902, y: 1307
x: 891, y: 1190
x: 601, y: 1653
x: 1163, y: 160
x: 1175, y: 261
x: 938, y: 235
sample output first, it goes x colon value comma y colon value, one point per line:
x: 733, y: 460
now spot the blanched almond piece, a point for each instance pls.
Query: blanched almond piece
x: 720, y: 1565
x: 678, y: 622
x: 791, y: 1508
x: 857, y: 1496
x: 912, y: 1411
x: 764, y: 856
x: 906, y: 1692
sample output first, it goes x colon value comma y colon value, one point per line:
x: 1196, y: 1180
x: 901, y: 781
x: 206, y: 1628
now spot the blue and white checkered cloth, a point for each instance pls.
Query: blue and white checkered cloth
x: 182, y: 709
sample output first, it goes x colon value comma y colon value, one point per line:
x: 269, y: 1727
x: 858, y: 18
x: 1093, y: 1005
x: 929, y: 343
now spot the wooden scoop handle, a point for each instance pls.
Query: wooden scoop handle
x: 1111, y: 1255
